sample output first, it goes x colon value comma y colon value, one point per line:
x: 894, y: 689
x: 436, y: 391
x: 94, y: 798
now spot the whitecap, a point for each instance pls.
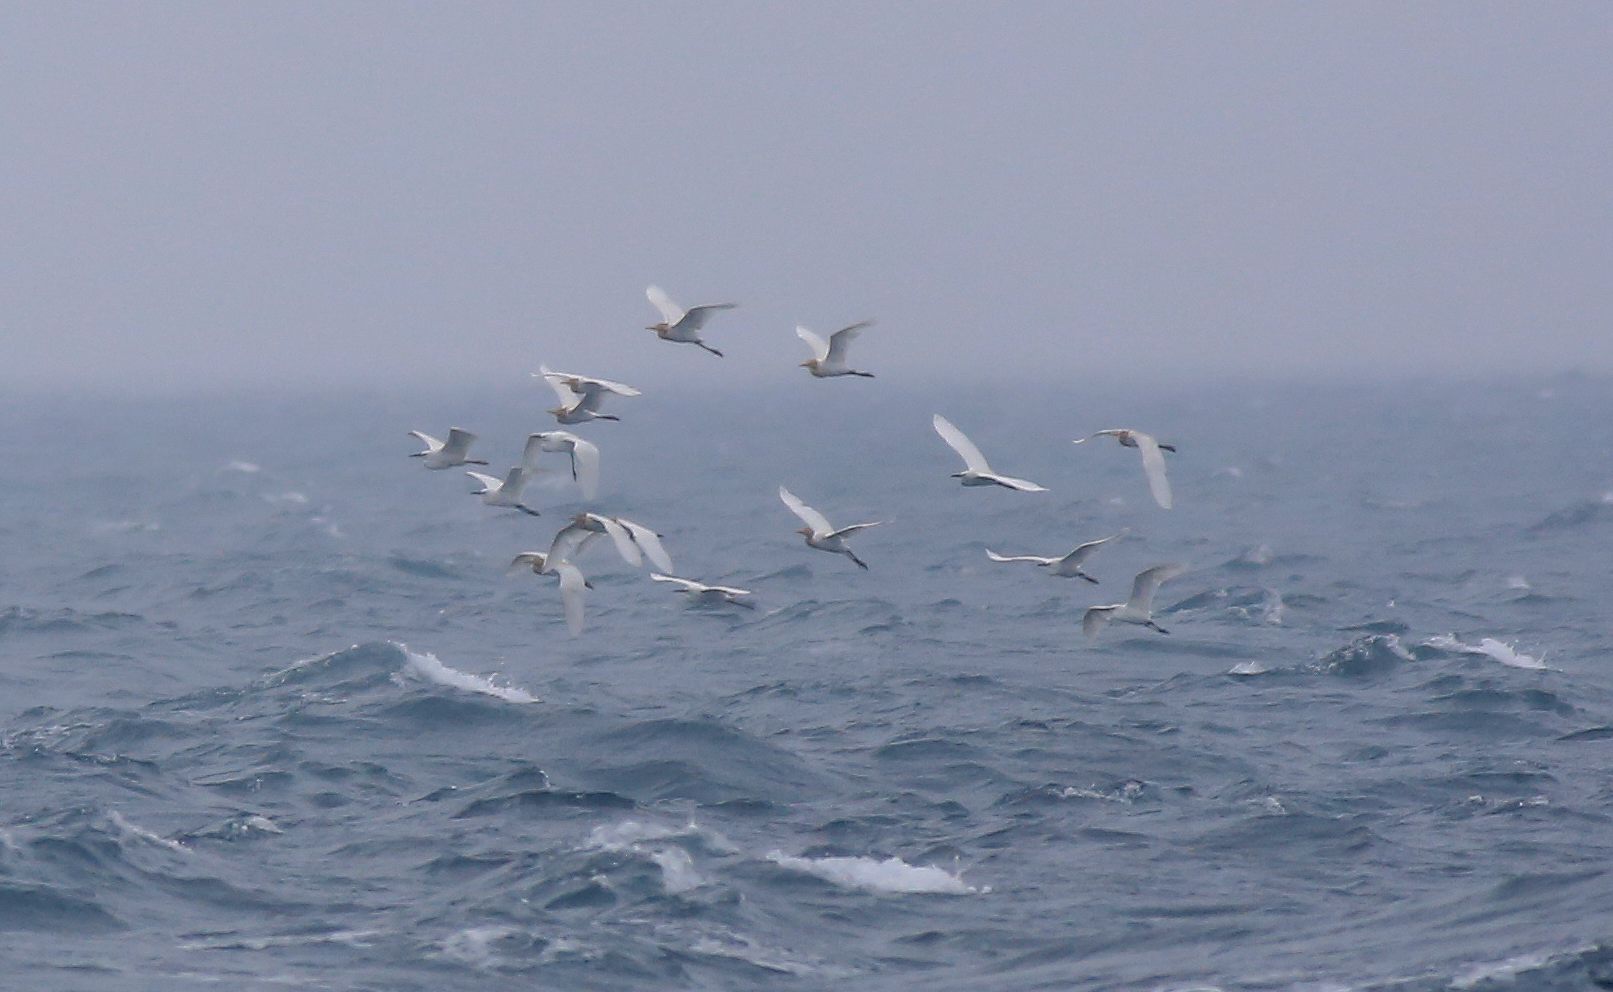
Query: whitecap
x: 128, y: 829
x: 1489, y: 647
x: 1248, y: 668
x: 474, y: 945
x: 677, y: 869
x: 247, y: 468
x: 426, y: 666
x: 1518, y: 582
x: 871, y: 874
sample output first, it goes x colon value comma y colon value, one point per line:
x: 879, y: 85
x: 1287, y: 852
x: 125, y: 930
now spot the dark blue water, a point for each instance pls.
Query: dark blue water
x: 273, y: 715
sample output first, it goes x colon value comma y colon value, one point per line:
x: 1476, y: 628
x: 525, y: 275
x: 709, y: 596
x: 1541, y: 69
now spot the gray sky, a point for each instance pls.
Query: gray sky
x: 311, y: 193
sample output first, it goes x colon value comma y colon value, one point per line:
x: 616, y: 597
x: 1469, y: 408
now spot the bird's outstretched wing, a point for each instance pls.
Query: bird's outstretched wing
x: 1087, y: 550
x: 650, y: 541
x: 688, y: 585
x: 1154, y: 468
x: 840, y: 340
x: 585, y: 460
x: 972, y: 458
x: 1022, y: 485
x: 820, y: 347
x: 459, y: 442
x: 854, y: 528
x: 529, y: 559
x: 622, y: 538
x: 696, y: 317
x: 489, y: 483
x: 812, y: 518
x: 557, y: 382
x: 1148, y: 581
x: 588, y: 383
x: 1094, y: 618
x: 994, y: 556
x: 572, y: 585
x: 670, y: 312
x: 431, y: 443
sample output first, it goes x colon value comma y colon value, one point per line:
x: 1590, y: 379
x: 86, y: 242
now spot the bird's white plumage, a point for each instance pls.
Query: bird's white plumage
x: 976, y: 471
x: 490, y: 484
x: 820, y: 347
x: 1068, y: 565
x: 840, y: 340
x: 621, y: 537
x: 690, y: 585
x: 1152, y: 456
x: 1154, y: 469
x: 959, y: 442
x: 649, y: 541
x: 441, y: 454
x: 572, y: 585
x: 670, y: 312
x: 812, y: 518
x: 459, y: 442
x: 1148, y: 582
x: 1139, y: 608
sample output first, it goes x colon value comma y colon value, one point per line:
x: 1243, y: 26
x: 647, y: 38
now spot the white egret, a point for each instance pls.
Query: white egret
x: 1139, y: 609
x: 976, y: 471
x: 829, y: 357
x: 1153, y: 461
x: 819, y: 533
x: 705, y: 595
x: 678, y: 324
x: 440, y: 455
x: 1069, y: 566
x: 581, y: 395
x: 506, y: 492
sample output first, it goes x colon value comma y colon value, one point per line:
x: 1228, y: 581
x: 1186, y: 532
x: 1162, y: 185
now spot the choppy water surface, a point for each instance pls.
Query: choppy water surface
x: 273, y: 715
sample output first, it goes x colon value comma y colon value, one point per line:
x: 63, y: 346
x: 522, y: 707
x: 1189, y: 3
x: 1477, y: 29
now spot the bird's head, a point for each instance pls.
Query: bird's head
x: 810, y: 363
x: 660, y: 328
x: 804, y: 531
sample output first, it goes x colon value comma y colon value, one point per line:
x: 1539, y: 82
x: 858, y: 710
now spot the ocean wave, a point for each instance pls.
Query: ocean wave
x: 1373, y: 654
x: 1488, y: 647
x: 374, y: 663
x: 873, y: 875
x: 426, y: 666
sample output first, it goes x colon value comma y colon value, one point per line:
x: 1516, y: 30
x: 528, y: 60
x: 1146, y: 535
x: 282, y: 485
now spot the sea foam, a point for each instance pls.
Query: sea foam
x: 890, y: 875
x: 426, y: 666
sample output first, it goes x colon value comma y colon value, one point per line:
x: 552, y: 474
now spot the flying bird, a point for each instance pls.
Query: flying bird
x: 1153, y: 461
x: 829, y: 357
x: 1139, y: 609
x: 440, y: 455
x: 584, y: 457
x: 976, y: 472
x: 678, y: 324
x: 504, y: 493
x: 572, y: 583
x: 819, y: 533
x: 581, y: 395
x: 705, y: 595
x: 1069, y: 566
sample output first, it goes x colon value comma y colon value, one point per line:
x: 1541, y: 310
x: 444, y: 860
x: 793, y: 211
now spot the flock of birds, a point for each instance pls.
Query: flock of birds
x: 580, y: 398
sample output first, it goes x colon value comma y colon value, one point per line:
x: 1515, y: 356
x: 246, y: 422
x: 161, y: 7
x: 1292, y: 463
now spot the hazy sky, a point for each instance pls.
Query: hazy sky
x: 202, y: 193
